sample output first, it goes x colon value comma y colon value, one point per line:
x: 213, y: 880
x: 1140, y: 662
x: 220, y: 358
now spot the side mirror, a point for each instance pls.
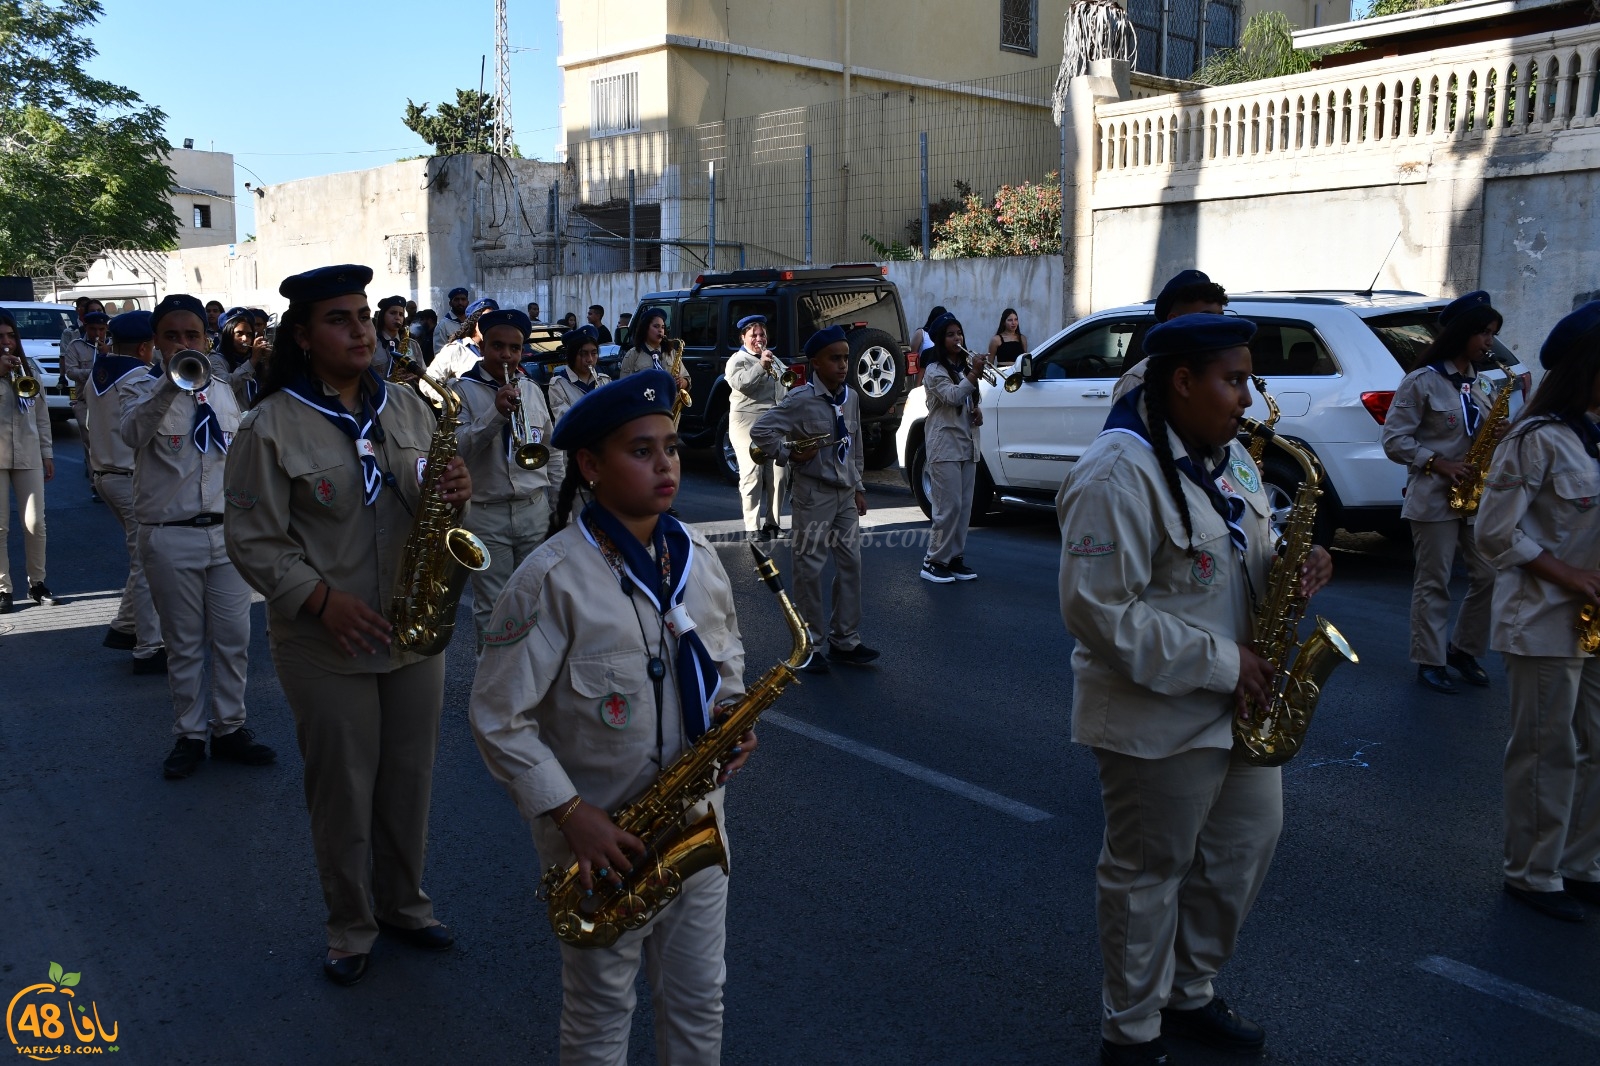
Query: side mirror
x: 1025, y: 366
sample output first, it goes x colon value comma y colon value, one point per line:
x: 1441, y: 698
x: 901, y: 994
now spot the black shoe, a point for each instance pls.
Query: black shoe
x: 960, y: 570
x: 815, y: 663
x: 1150, y: 1053
x: 240, y: 746
x: 186, y: 755
x: 1215, y: 1025
x: 428, y: 938
x: 41, y: 595
x: 938, y: 573
x: 860, y: 655
x: 117, y: 640
x: 1467, y: 667
x: 1584, y: 891
x: 5, y: 603
x: 1436, y: 678
x: 345, y: 971
x: 155, y: 664
x: 772, y: 532
x: 1552, y: 904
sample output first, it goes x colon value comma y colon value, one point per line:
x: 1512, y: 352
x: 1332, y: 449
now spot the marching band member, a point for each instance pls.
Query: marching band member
x: 136, y: 627
x: 1166, y: 536
x: 606, y: 658
x: 462, y: 353
x: 951, y: 435
x: 27, y: 461
x: 391, y: 326
x: 571, y: 383
x: 322, y: 482
x: 1436, y: 411
x: 448, y: 325
x: 243, y: 349
x: 510, y: 504
x: 180, y: 441
x: 214, y: 315
x: 752, y: 374
x: 1190, y: 292
x: 1538, y: 524
x: 78, y: 355
x: 648, y: 338
x: 826, y: 495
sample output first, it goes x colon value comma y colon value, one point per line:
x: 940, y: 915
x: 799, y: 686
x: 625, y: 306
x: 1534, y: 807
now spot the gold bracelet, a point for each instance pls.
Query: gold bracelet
x: 561, y: 819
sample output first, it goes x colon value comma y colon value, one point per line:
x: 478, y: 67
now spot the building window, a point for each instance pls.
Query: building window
x: 1019, y: 26
x: 1221, y: 21
x: 202, y: 216
x: 614, y: 104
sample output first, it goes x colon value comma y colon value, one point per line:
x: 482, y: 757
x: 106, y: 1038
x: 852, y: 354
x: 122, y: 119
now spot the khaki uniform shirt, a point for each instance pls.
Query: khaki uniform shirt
x: 454, y: 359
x: 295, y: 516
x: 496, y: 478
x: 1425, y: 420
x: 639, y: 359
x: 948, y: 430
x: 106, y: 446
x: 239, y: 379
x: 77, y: 359
x: 445, y: 330
x: 1130, y: 380
x: 1157, y: 657
x: 172, y: 479
x: 1542, y: 495
x: 563, y: 393
x: 25, y: 441
x: 563, y: 704
x: 806, y: 412
x: 753, y: 390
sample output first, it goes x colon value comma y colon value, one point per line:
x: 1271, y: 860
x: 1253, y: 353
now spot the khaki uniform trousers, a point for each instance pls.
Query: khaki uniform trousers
x: 953, y: 483
x: 760, y: 484
x: 682, y: 949
x: 29, y: 488
x: 1187, y: 845
x: 510, y: 529
x: 1552, y: 772
x: 369, y: 742
x: 1434, y: 546
x: 825, y: 522
x: 136, y: 613
x: 204, y: 606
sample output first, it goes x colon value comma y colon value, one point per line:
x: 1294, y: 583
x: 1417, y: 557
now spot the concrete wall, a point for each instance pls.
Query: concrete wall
x: 1539, y: 249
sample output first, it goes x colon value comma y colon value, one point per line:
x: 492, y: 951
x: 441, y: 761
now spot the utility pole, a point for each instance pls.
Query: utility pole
x: 502, y: 82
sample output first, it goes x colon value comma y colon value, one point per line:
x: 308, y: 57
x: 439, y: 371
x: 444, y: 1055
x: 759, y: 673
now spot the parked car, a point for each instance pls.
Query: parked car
x: 1332, y: 360
x: 543, y: 353
x: 797, y: 303
x: 40, y: 327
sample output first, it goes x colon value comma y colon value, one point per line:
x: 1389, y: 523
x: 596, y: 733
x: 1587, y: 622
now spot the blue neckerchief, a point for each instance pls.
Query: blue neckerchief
x: 1470, y: 414
x: 840, y: 430
x: 107, y: 370
x: 655, y: 357
x: 585, y: 387
x: 306, y: 391
x: 477, y: 374
x: 696, y: 670
x: 207, y: 427
x: 1230, y: 506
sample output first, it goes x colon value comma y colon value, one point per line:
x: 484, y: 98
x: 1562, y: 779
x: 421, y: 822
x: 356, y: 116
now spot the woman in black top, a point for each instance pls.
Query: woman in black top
x: 1008, y: 342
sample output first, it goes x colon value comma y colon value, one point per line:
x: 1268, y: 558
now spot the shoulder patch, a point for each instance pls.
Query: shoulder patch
x: 242, y: 500
x: 1087, y: 547
x: 1506, y: 481
x: 1244, y: 472
x: 511, y: 631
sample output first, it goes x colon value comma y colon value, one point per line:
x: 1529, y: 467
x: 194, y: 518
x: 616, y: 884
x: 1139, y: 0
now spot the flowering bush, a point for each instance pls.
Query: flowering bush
x: 1023, y: 220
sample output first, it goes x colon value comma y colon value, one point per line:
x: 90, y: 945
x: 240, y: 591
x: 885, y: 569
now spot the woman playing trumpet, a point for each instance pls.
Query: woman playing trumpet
x: 754, y: 383
x: 503, y: 420
x: 950, y: 379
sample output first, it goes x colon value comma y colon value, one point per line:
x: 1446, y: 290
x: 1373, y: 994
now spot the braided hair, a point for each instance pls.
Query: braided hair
x: 1157, y: 398
x: 567, y: 494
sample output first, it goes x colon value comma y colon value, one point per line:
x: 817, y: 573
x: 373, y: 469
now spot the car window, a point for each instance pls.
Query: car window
x: 666, y: 307
x: 1289, y: 348
x: 41, y: 323
x: 697, y: 325
x: 1408, y: 334
x: 738, y: 309
x: 1102, y: 350
x: 874, y: 308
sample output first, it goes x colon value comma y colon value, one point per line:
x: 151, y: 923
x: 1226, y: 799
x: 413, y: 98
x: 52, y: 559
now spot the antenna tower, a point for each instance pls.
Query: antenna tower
x: 502, y: 82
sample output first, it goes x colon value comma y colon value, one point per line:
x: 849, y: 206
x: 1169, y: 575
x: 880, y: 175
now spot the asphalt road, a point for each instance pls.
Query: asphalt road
x: 913, y: 850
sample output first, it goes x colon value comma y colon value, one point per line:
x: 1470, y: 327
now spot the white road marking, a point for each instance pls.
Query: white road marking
x: 77, y: 610
x: 1557, y: 1010
x: 969, y: 791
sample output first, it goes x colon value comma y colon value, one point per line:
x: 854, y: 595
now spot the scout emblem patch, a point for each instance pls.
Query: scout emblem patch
x: 1087, y: 546
x: 614, y: 711
x: 650, y: 394
x: 242, y: 500
x: 175, y: 444
x: 324, y: 492
x: 1204, y: 568
x: 511, y: 631
x: 1584, y: 504
x: 1245, y: 474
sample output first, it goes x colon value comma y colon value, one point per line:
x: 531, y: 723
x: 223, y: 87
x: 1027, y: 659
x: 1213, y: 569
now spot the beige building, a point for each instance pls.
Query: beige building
x: 202, y: 197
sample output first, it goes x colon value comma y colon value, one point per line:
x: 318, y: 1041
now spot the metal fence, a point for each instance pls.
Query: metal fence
x: 807, y: 184
x: 1169, y: 32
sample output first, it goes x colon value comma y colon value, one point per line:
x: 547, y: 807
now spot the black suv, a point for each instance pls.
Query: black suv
x: 797, y: 303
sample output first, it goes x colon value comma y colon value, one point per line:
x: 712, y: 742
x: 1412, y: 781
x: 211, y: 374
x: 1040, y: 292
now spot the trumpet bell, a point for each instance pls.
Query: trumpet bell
x: 788, y: 379
x: 24, y: 386
x: 190, y: 370
x: 532, y: 456
x: 1013, y: 381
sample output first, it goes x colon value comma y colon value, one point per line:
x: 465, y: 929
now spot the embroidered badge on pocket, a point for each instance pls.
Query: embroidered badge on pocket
x: 324, y: 492
x: 615, y: 712
x: 1204, y: 568
x: 1584, y: 504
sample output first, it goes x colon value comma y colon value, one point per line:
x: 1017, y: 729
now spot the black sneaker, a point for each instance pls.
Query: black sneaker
x: 1467, y: 667
x: 41, y: 595
x: 1215, y: 1025
x: 1150, y: 1053
x: 938, y: 573
x: 1436, y: 678
x: 186, y: 755
x: 960, y: 570
x: 1585, y: 891
x: 118, y: 640
x: 240, y: 746
x: 1551, y: 904
x: 5, y: 603
x: 860, y: 655
x: 154, y: 664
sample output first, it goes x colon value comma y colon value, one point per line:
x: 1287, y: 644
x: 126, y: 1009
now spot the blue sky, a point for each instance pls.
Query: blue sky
x: 295, y: 88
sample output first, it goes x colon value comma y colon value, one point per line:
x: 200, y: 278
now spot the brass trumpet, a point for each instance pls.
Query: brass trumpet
x: 530, y: 454
x: 787, y: 379
x: 190, y: 370
x: 24, y: 385
x: 1010, y: 382
x: 797, y: 444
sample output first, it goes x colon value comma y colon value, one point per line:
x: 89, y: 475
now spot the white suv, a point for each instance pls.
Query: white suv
x: 40, y: 326
x: 1332, y: 360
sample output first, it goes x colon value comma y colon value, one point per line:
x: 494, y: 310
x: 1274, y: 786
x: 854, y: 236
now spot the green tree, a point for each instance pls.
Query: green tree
x: 82, y: 161
x: 1380, y: 8
x: 464, y: 126
x: 1266, y: 50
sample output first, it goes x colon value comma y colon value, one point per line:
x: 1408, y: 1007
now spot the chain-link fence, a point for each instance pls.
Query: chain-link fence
x: 1221, y: 20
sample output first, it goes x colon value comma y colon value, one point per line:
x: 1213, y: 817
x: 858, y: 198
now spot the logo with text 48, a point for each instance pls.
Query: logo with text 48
x: 46, y: 1021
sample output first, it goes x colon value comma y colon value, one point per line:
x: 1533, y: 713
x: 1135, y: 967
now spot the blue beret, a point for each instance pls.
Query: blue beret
x: 575, y: 338
x: 649, y: 392
x: 935, y: 329
x: 95, y: 318
x: 1198, y: 333
x: 232, y: 315
x: 484, y: 304
x: 508, y: 317
x: 1169, y: 294
x: 1454, y: 308
x: 8, y: 318
x: 1572, y: 334
x: 453, y: 293
x: 751, y: 320
x: 324, y: 283
x: 174, y: 302
x: 824, y: 337
x: 132, y: 327
x: 391, y: 301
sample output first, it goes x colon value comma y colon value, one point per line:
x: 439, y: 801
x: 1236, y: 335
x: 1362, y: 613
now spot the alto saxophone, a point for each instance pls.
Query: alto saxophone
x: 675, y: 368
x: 1466, y: 494
x: 1589, y: 628
x: 676, y: 848
x: 1272, y: 735
x: 439, y: 554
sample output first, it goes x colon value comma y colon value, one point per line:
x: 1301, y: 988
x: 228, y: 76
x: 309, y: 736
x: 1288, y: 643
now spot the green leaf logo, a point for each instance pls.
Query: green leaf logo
x: 55, y: 973
x: 70, y: 979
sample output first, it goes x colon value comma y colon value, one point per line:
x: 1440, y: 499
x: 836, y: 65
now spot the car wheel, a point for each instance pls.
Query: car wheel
x: 920, y: 478
x: 727, y: 455
x: 880, y: 453
x: 877, y: 370
x: 1281, y: 482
